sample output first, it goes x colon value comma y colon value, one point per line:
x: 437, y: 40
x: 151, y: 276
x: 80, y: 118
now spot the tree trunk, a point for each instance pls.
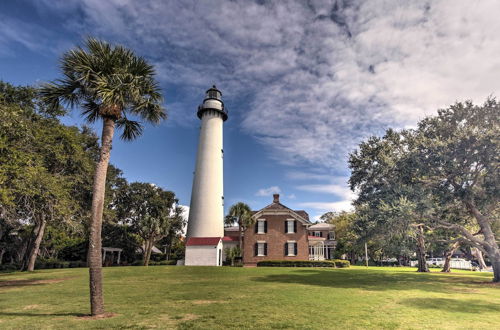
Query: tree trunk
x: 95, y: 244
x: 24, y: 252
x: 33, y: 253
x: 422, y: 262
x: 479, y: 256
x: 447, y: 257
x: 240, y: 231
x: 496, y: 271
x: 147, y: 255
x: 2, y: 252
x: 490, y: 243
x: 353, y: 258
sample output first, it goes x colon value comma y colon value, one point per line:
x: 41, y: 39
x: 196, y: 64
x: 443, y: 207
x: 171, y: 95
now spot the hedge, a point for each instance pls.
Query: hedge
x: 336, y: 263
x: 55, y: 263
x: 155, y: 263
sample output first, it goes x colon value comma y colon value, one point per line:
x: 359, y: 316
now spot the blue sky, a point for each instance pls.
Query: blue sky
x: 304, y: 81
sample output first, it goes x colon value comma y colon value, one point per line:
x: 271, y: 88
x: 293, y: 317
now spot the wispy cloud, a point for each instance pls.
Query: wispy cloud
x: 318, y: 76
x: 342, y: 191
x: 14, y: 31
x: 268, y: 191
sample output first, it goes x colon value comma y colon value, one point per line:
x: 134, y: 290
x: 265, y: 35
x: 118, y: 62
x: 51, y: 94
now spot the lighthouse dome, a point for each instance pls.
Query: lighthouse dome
x: 212, y: 101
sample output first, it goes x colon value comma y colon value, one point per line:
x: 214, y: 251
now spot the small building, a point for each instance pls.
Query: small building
x: 281, y: 233
x: 204, y: 251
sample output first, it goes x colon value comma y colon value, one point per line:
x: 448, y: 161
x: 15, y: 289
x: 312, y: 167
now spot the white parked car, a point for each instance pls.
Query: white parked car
x: 435, y: 261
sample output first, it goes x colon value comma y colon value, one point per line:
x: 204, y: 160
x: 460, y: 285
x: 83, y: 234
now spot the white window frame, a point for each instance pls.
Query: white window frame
x: 261, y: 249
x: 288, y: 222
x: 317, y: 233
x: 331, y: 235
x: 259, y: 223
x: 291, y: 246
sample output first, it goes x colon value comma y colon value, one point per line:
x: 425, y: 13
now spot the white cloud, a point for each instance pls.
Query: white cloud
x: 329, y: 206
x: 268, y: 191
x: 317, y: 77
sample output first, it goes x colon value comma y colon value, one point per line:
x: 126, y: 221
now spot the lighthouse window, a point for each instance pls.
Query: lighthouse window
x: 213, y: 94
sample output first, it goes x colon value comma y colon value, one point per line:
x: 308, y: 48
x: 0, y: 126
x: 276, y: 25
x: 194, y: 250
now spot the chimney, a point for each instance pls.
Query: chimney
x: 276, y: 198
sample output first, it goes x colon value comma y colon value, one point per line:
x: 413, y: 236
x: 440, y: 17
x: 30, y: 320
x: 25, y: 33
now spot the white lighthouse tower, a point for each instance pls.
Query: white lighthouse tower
x: 206, y: 214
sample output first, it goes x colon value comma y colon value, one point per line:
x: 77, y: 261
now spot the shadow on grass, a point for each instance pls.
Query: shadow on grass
x: 372, y: 280
x: 21, y: 283
x: 452, y: 305
x: 41, y: 314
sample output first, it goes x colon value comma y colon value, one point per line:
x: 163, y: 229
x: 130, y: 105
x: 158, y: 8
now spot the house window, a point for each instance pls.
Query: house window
x: 331, y: 235
x: 290, y: 226
x: 261, y: 227
x: 317, y: 233
x: 291, y: 248
x: 261, y: 249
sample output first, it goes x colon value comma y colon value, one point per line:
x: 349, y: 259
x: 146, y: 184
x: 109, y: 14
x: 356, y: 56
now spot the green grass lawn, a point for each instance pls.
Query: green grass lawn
x: 278, y: 298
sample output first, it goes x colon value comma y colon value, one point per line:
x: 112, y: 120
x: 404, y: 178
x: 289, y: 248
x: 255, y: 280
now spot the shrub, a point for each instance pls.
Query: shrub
x: 339, y: 263
x: 137, y: 263
x: 51, y: 263
x: 77, y: 264
x: 9, y: 268
x: 163, y: 263
x: 304, y: 263
x: 155, y: 263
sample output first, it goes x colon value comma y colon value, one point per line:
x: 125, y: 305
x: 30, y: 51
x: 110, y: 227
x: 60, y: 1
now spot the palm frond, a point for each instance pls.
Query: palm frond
x: 90, y: 111
x: 131, y: 128
x: 100, y: 76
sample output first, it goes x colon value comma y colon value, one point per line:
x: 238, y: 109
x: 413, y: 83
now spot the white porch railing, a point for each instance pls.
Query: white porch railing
x: 317, y: 251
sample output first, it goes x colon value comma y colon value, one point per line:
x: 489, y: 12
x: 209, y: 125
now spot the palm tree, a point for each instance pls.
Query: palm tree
x: 242, y: 214
x: 109, y: 83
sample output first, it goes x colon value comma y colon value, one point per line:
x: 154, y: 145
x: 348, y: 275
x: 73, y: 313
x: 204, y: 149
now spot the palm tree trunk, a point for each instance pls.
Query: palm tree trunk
x: 33, y: 253
x: 95, y: 245
x: 240, y: 231
x: 447, y: 257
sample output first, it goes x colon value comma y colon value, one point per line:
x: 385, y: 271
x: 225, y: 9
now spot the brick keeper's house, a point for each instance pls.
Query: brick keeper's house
x: 281, y: 233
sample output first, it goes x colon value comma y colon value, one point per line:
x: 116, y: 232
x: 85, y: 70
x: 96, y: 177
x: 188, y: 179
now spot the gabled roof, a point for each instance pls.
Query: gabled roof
x: 203, y: 241
x: 277, y: 206
x: 302, y: 213
x: 231, y: 228
x: 322, y: 226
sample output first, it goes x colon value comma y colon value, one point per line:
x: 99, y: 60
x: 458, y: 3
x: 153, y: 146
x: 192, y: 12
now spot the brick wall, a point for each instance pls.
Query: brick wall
x: 276, y: 239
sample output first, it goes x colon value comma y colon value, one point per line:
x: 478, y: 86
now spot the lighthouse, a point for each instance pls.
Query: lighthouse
x: 205, y: 227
